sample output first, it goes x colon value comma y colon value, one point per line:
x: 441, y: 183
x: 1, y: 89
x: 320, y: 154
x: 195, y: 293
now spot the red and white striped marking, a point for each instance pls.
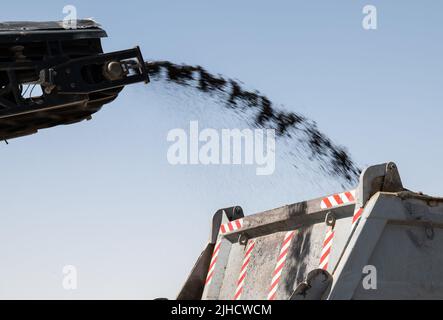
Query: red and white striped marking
x: 244, y: 269
x: 224, y: 228
x: 357, y: 215
x: 276, y: 276
x: 338, y: 199
x: 213, y: 262
x: 231, y: 226
x: 326, y: 251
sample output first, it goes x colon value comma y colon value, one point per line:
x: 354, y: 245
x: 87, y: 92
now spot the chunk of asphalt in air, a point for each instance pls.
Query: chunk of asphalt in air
x: 336, y: 161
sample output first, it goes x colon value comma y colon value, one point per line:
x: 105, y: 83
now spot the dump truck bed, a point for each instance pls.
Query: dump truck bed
x: 379, y: 241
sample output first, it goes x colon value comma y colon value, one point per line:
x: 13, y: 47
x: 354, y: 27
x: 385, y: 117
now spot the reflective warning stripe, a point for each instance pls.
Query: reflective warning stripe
x: 338, y: 199
x: 244, y: 269
x: 231, y: 226
x: 224, y: 228
x: 357, y: 215
x: 276, y: 276
x: 326, y: 251
x: 213, y: 262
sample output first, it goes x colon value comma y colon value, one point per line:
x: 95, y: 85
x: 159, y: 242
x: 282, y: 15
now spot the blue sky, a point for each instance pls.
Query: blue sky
x: 100, y: 195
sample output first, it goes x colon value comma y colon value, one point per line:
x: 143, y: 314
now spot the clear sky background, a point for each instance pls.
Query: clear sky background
x: 101, y: 196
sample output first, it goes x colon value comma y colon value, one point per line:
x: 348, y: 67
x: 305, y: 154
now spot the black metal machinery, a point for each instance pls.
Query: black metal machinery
x: 73, y: 76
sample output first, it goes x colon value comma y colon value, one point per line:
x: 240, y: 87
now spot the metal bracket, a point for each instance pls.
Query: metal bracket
x: 231, y: 213
x: 383, y: 177
x: 317, y: 284
x: 330, y: 219
x: 69, y: 77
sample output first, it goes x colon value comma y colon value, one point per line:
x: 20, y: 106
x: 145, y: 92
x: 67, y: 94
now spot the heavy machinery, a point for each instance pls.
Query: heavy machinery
x: 379, y: 241
x: 52, y: 75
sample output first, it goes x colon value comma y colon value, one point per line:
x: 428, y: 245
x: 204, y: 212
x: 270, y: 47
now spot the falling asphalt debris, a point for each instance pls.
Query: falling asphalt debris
x: 335, y: 160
